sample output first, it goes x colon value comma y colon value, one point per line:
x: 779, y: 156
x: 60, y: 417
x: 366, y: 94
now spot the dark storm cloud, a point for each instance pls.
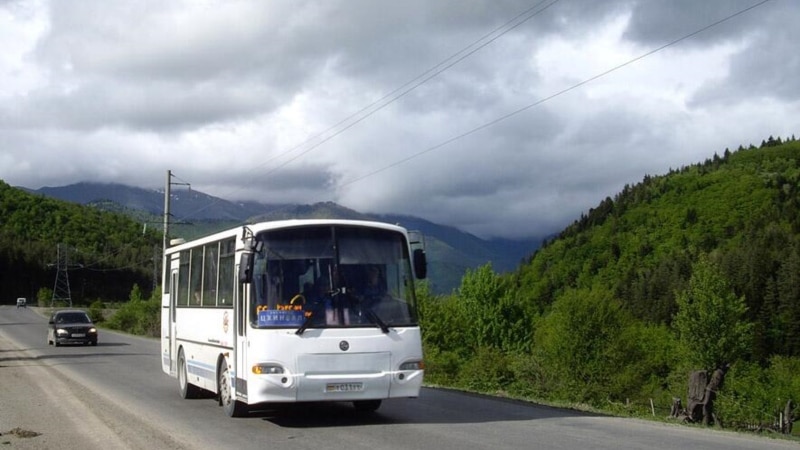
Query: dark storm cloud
x: 391, y: 107
x: 767, y: 67
x: 655, y: 22
x: 158, y: 106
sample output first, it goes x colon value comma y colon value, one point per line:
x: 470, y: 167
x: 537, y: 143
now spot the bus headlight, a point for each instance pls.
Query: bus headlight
x: 412, y: 365
x: 268, y: 369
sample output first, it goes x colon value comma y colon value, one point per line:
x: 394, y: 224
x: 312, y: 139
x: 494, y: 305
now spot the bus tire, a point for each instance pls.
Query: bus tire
x: 227, y: 398
x: 187, y: 389
x: 367, y: 406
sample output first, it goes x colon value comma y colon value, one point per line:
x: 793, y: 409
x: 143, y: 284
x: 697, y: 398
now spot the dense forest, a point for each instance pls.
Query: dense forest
x: 697, y: 269
x: 104, y: 254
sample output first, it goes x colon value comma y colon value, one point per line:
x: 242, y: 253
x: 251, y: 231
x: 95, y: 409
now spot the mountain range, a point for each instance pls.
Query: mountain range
x: 451, y: 252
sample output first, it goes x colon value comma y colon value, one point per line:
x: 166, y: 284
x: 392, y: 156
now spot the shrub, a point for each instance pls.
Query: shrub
x: 142, y: 317
x: 96, y: 311
x: 488, y: 371
x: 441, y: 367
x: 44, y: 296
x: 584, y: 347
x: 753, y: 396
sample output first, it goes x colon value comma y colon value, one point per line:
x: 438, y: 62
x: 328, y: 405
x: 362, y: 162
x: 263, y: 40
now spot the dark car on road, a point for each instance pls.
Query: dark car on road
x: 71, y: 326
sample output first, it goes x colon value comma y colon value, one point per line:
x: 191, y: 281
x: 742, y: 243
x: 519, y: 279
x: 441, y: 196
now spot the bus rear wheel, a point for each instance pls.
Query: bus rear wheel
x: 227, y: 399
x: 187, y: 389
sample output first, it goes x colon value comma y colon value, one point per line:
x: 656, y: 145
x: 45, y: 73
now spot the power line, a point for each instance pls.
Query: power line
x: 416, y: 82
x: 401, y: 91
x: 453, y: 60
x: 552, y: 96
x: 460, y: 56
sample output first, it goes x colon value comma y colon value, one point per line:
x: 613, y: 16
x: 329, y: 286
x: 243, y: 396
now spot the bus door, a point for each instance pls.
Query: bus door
x: 173, y: 300
x: 240, y: 341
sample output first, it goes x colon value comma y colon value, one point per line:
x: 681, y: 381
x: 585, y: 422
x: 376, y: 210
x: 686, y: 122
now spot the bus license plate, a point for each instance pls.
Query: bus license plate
x: 344, y: 387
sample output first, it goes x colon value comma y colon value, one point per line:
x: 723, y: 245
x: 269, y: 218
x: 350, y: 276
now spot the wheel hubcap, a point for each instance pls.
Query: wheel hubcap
x: 224, y: 387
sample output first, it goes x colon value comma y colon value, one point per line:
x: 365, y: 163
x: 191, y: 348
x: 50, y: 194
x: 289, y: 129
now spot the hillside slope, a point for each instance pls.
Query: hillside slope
x: 103, y: 253
x: 742, y: 208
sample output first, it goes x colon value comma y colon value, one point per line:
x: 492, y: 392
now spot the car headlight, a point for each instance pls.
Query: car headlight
x: 92, y: 330
x: 61, y: 331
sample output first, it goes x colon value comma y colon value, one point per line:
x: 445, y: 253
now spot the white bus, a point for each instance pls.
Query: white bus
x: 294, y: 311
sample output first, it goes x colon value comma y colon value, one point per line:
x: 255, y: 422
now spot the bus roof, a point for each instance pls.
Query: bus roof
x: 283, y: 224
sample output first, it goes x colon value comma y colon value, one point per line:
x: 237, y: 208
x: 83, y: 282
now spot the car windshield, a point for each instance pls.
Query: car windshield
x: 76, y: 317
x: 324, y: 277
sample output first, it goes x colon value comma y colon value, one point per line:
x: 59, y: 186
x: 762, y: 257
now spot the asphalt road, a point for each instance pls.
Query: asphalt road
x: 116, y: 396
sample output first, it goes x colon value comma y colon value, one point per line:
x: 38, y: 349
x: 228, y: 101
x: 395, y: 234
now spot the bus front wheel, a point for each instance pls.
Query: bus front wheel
x: 188, y: 390
x: 227, y: 398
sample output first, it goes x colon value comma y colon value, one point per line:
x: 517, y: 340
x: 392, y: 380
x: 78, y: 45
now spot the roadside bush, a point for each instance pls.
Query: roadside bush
x: 744, y: 399
x: 530, y: 379
x: 752, y: 396
x: 589, y: 349
x: 488, y: 371
x: 43, y: 297
x: 141, y: 317
x: 96, y: 311
x: 441, y: 367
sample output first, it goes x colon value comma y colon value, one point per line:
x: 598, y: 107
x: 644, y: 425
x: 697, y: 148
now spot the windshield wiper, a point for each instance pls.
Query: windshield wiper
x: 307, y: 322
x: 376, y: 319
x: 371, y: 315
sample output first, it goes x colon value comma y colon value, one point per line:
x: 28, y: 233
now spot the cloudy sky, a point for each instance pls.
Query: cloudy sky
x: 504, y: 118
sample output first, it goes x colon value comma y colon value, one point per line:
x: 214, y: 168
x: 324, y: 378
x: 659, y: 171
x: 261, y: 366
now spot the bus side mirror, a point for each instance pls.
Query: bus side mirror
x: 246, y: 268
x: 420, y: 264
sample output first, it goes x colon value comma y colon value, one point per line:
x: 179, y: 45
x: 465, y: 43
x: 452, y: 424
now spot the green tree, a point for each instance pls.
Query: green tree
x: 136, y: 294
x: 480, y: 290
x: 493, y: 315
x: 584, y: 345
x: 710, y: 321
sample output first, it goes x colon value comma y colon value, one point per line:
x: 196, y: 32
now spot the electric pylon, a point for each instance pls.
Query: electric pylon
x: 61, y: 288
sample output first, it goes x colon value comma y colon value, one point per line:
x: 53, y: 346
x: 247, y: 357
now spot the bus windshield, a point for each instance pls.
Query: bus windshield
x: 332, y: 277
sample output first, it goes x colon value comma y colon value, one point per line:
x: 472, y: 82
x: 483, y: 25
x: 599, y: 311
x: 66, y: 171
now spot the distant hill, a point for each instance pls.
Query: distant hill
x: 186, y: 204
x: 451, y: 252
x: 76, y: 252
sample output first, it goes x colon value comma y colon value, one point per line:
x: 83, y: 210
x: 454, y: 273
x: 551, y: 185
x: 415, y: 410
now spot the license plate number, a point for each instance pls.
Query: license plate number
x: 344, y: 387
x: 78, y: 335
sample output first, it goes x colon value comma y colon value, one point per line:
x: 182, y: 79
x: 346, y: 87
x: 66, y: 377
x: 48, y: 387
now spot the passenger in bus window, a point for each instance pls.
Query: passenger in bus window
x: 320, y: 291
x: 375, y: 289
x: 309, y: 293
x: 273, y: 291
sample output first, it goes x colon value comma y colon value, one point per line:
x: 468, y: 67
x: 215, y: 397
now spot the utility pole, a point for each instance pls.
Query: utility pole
x: 167, y: 196
x: 155, y: 268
